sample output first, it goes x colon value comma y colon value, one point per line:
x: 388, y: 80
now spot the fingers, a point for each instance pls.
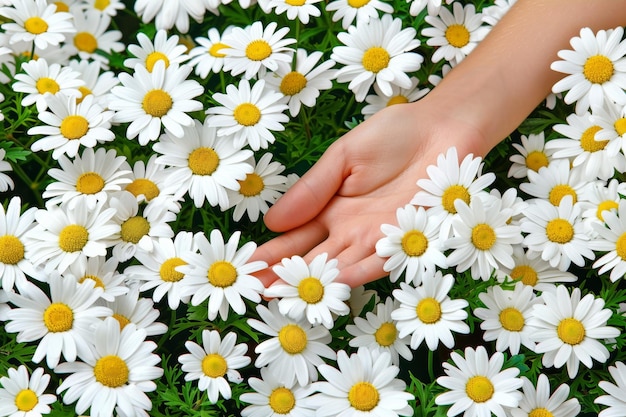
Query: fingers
x: 365, y: 270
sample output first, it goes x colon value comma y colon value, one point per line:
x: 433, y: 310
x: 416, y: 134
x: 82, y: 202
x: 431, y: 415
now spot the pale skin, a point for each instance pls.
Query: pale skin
x: 339, y: 204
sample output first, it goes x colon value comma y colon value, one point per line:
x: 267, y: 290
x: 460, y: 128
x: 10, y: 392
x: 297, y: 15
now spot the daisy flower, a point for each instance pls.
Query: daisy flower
x: 103, y: 272
x: 203, y: 164
x: 114, y: 375
x: 108, y: 7
x: 611, y: 242
x: 147, y: 53
x: 302, y: 11
x: 62, y: 323
x: 214, y: 362
x: 254, y: 48
x: 428, y: 314
x: 97, y: 82
x: 432, y: 6
x: 611, y: 118
x: 492, y: 14
x: 378, y: 331
x: 248, y: 114
x: 413, y: 246
x: 14, y: 249
x: 601, y: 196
x: 378, y: 101
x: 24, y: 395
x: 302, y: 84
x: 295, y: 348
x: 454, y: 33
x: 596, y: 68
x: 5, y: 181
x: 129, y: 308
x: 538, y: 401
x: 208, y: 56
x: 557, y: 180
x: 92, y: 35
x: 149, y: 99
x: 221, y: 272
x: 506, y: 315
x: 364, y: 384
x: 378, y: 52
x: 309, y: 290
x: 478, y: 385
x: 362, y: 11
x: 150, y: 184
x: 170, y: 13
x: 532, y: 155
x: 360, y: 298
x: 615, y: 393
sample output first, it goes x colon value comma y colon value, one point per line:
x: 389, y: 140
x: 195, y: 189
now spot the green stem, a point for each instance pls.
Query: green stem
x: 431, y: 371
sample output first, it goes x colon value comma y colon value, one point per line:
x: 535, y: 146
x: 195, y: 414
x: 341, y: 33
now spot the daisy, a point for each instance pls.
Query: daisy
x: 262, y: 186
x: 377, y: 52
x: 114, y: 375
x: 302, y: 84
x: 615, y: 393
x: 432, y: 6
x: 428, y: 314
x: 23, y: 395
x: 361, y: 11
x: 309, y: 290
x: 508, y: 200
x: 300, y: 10
x: 108, y: 7
x: 129, y: 308
x: 97, y: 82
x: 360, y: 298
x: 596, y: 68
x: 87, y: 180
x: 5, y: 181
x: 149, y: 99
x: 295, y: 348
x: 147, y: 53
x: 221, y: 272
x: 149, y: 185
x: 103, y: 272
x: 611, y: 118
x: 14, y: 250
x: 478, y: 385
x: 62, y: 322
x: 208, y: 56
x: 601, y: 196
x: 36, y: 21
x: 170, y: 13
x: 253, y: 48
x: 611, y: 242
x: 364, y: 384
x: 538, y: 401
x: 378, y: 101
x: 203, y: 164
x: 492, y: 14
x: 214, y: 362
x: 532, y: 155
x: 506, y: 315
x: 454, y: 33
x: 92, y: 37
x: 378, y: 331
x: 249, y: 114
x: 555, y: 181
x: 413, y: 246
x: 65, y: 5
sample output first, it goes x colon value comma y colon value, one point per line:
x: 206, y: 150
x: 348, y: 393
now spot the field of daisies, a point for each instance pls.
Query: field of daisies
x: 142, y: 141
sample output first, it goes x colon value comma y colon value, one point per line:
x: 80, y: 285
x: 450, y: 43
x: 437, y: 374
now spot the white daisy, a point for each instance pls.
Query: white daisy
x: 309, y: 290
x: 97, y: 82
x: 170, y: 13
x: 149, y: 99
x: 295, y: 348
x: 532, y: 155
x: 378, y: 51
x: 556, y: 181
x: 360, y: 298
x: 615, y: 397
x: 538, y: 401
x: 601, y: 196
x: 611, y: 118
x: 492, y: 14
x: 108, y: 7
x: 478, y: 385
x: 114, y: 375
x: 129, y: 308
x: 428, y: 314
x: 208, y: 57
x: 360, y: 11
x: 567, y: 329
x: 103, y: 272
x: 92, y: 37
x: 596, y: 68
x: 151, y: 184
x: 363, y: 384
x: 611, y: 243
x: 147, y: 53
x: 301, y: 10
x: 378, y: 101
x: 23, y: 395
x: 378, y: 331
x: 432, y: 6
x: 249, y: 114
x: 5, y: 181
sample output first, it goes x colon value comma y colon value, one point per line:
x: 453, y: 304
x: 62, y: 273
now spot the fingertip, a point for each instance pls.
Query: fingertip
x: 363, y: 272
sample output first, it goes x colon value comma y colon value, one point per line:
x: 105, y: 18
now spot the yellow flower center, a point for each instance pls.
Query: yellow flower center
x: 35, y: 25
x: 536, y: 160
x: 26, y: 400
x: 386, y: 334
x: 216, y: 48
x: 588, y: 141
x: 61, y: 7
x: 157, y: 103
x: 311, y: 290
x: 414, y: 243
x: 47, y: 85
x: 282, y: 400
x: 74, y: 127
x: 483, y: 236
x: 457, y: 35
x: 121, y: 319
x: 58, y: 317
x: 363, y: 396
x: 620, y: 126
x: 620, y: 246
x: 143, y: 186
x: 357, y: 3
x: 295, y: 2
x: 559, y: 191
x: 252, y: 185
x: 479, y: 389
x: 258, y: 50
x: 101, y: 4
x: 134, y: 229
x: 292, y: 338
x: 98, y: 282
x: 111, y: 371
x: 154, y: 57
x: 84, y: 91
x: 292, y: 83
x: 375, y: 59
x: 512, y: 319
x: 399, y: 99
x: 168, y: 270
x: 222, y: 274
x: 604, y: 206
x: 540, y: 412
x: 89, y: 183
x: 451, y: 194
x: 526, y: 274
x: 86, y: 42
x: 559, y: 231
x: 11, y: 250
x: 73, y: 238
x: 247, y: 114
x: 203, y: 161
x: 598, y: 69
x: 428, y: 310
x: 214, y: 365
x: 571, y: 331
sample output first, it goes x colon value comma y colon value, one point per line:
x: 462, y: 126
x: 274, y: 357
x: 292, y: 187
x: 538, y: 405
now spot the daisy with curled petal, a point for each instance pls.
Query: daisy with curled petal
x: 601, y: 196
x: 151, y: 99
x: 295, y: 348
x: 478, y: 385
x: 113, y: 375
x: 14, y: 250
x: 361, y: 11
x: 103, y: 272
x: 97, y: 82
x: 596, y: 68
x: 248, y: 114
x: 131, y: 308
x: 611, y: 242
x: 363, y: 384
x: 62, y: 322
x: 23, y: 395
x: 611, y: 118
x: 221, y: 272
x: 301, y: 10
x: 413, y: 247
x: 432, y: 6
x: 214, y: 362
x: 170, y: 13
x: 615, y: 397
x: 149, y: 184
x: 532, y: 155
x: 378, y: 331
x: 92, y: 36
x: 428, y: 314
x: 568, y: 329
x: 377, y: 51
x: 147, y: 53
x: 5, y: 181
x: 108, y: 7
x: 538, y: 401
x: 309, y: 290
x: 378, y: 101
x: 492, y: 14
x: 556, y: 181
x: 209, y: 55
x: 360, y: 298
